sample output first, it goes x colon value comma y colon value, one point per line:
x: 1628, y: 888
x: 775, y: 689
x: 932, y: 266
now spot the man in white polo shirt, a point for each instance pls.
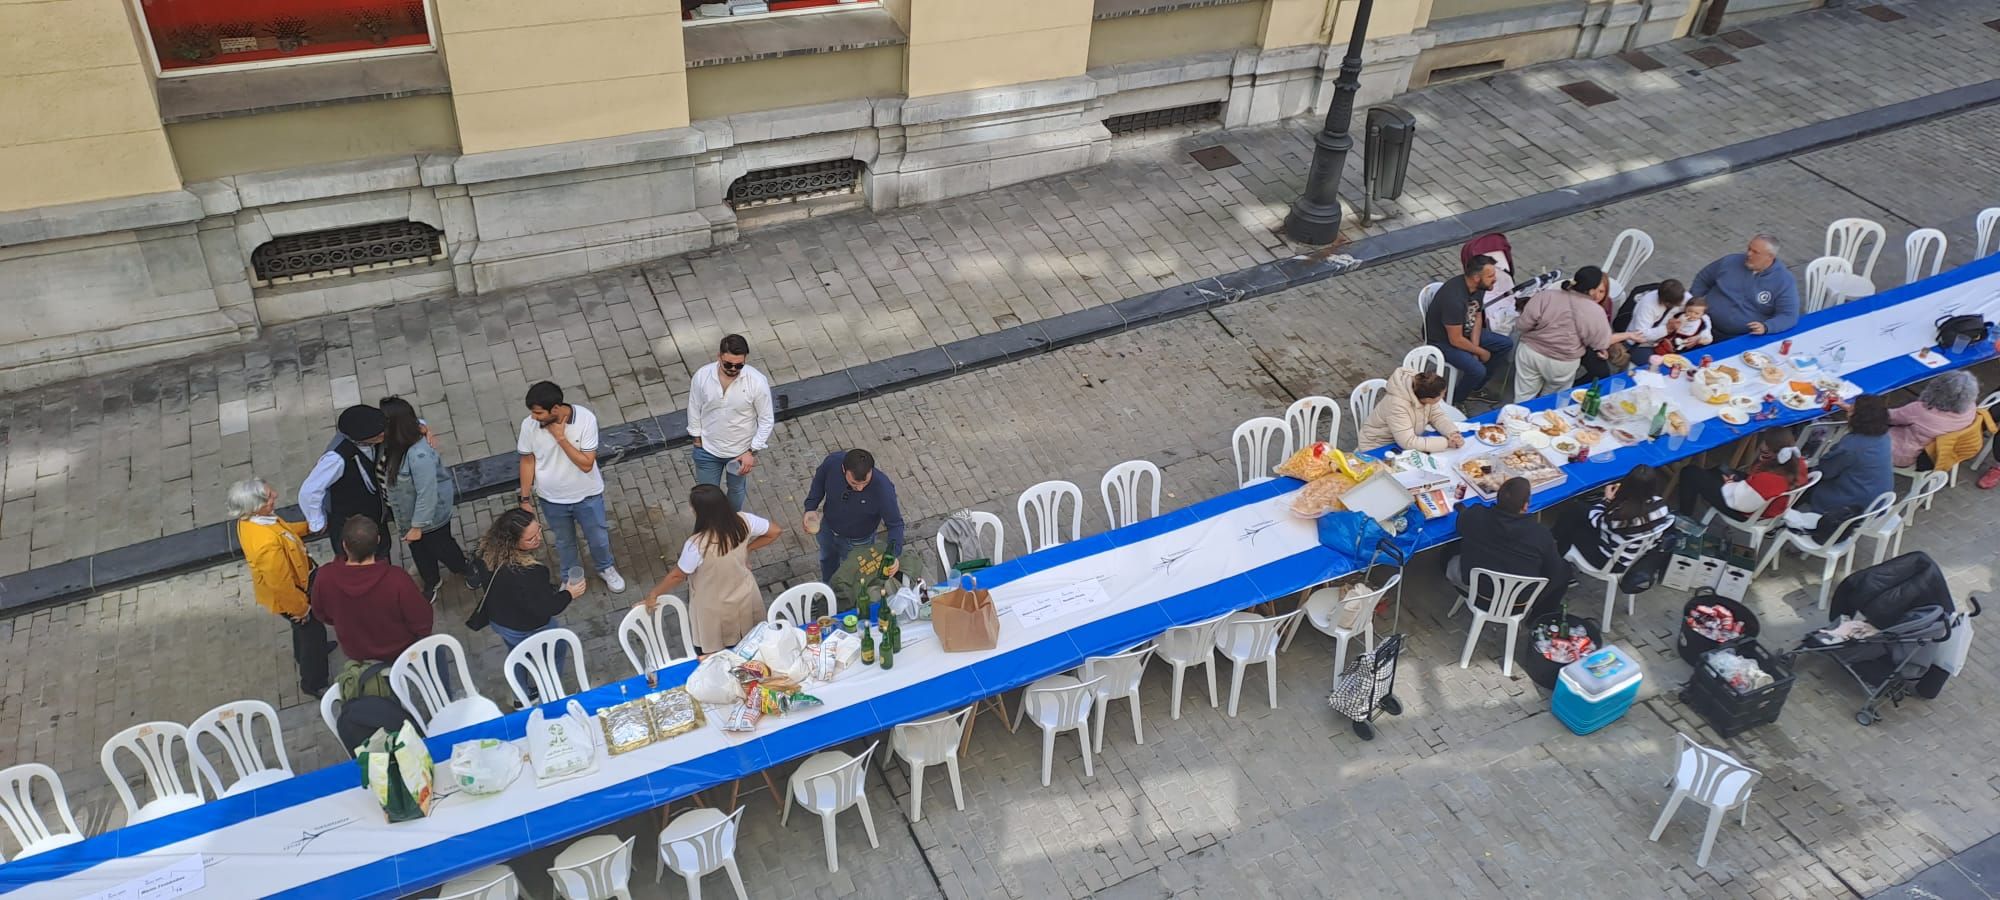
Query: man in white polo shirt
x: 558, y: 450
x: 729, y: 416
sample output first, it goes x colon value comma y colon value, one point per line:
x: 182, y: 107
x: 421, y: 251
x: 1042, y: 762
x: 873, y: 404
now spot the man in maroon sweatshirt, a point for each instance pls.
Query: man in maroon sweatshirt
x: 375, y: 608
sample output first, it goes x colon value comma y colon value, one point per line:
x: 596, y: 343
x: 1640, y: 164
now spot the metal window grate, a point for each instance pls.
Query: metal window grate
x: 1162, y: 118
x: 339, y: 250
x: 787, y: 184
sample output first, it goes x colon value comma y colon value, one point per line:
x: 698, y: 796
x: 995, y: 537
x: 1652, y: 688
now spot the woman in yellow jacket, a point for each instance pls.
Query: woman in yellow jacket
x: 280, y: 573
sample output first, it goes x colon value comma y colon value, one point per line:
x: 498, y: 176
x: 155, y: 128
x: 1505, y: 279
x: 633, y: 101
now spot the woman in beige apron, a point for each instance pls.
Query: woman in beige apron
x: 722, y: 593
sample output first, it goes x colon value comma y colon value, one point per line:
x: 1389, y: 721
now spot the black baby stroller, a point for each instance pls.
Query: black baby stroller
x: 1891, y: 621
x: 1514, y: 284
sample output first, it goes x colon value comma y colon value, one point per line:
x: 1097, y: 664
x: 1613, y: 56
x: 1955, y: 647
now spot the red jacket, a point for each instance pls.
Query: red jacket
x: 376, y: 610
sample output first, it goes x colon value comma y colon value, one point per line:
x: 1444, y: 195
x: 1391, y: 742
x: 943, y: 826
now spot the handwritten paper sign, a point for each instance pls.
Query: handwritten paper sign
x: 183, y: 876
x: 1035, y: 609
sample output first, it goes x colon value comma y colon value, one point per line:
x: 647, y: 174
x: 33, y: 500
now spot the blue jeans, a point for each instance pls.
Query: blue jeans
x: 513, y: 638
x: 709, y: 469
x: 833, y: 550
x: 1473, y: 374
x: 561, y: 520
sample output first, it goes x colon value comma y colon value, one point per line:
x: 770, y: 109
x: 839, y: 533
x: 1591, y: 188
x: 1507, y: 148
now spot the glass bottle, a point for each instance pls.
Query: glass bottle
x: 867, y: 645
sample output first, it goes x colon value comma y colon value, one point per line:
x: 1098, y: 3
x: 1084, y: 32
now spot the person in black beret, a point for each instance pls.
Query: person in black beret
x: 347, y: 480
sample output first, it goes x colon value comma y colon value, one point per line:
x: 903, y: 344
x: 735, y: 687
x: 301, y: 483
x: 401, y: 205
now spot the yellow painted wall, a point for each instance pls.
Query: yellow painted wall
x: 77, y: 117
x: 1165, y: 35
x: 962, y: 45
x: 1389, y: 18
x: 525, y: 74
x: 1290, y: 23
x: 1447, y: 9
x: 716, y: 91
x: 212, y: 148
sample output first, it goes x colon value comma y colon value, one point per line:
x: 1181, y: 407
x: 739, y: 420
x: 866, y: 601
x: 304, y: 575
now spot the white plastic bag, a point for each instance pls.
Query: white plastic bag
x: 712, y: 684
x: 562, y: 747
x: 783, y: 651
x: 485, y: 766
x: 907, y: 604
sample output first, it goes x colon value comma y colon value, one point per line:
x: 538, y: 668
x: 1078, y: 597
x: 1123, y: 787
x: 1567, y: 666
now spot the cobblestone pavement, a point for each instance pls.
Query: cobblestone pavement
x: 112, y: 460
x: 1473, y: 792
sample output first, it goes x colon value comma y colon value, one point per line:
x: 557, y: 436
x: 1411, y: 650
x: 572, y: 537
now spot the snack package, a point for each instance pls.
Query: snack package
x: 743, y: 717
x: 1321, y: 496
x: 485, y: 766
x: 750, y: 672
x: 835, y: 653
x: 753, y: 640
x: 712, y: 681
x: 1310, y: 463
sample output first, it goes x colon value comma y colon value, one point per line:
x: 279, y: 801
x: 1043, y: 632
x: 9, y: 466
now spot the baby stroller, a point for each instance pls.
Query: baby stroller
x: 1503, y: 301
x: 1893, y: 631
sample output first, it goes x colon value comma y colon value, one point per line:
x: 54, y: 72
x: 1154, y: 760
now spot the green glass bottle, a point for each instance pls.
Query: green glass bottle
x: 867, y: 645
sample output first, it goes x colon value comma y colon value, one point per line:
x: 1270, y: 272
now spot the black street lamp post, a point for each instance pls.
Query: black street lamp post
x: 1315, y: 217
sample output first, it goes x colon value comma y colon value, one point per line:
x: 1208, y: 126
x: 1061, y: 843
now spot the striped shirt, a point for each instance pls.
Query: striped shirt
x: 1611, y: 531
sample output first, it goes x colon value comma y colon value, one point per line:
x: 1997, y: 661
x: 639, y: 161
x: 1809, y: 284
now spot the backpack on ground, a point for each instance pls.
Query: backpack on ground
x: 366, y: 704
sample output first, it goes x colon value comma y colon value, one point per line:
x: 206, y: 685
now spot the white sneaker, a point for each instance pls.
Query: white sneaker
x: 613, y: 580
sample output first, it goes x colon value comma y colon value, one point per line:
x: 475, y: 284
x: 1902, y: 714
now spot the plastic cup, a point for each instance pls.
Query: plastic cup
x: 812, y: 522
x: 735, y: 467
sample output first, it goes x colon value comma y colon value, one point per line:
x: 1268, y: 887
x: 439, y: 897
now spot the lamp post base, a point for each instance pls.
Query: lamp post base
x: 1315, y: 224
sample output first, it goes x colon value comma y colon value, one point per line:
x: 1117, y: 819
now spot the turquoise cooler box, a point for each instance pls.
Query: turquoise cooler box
x: 1595, y: 691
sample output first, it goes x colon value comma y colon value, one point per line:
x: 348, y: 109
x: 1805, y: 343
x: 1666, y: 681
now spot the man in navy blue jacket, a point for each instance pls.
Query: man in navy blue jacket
x: 858, y: 500
x: 1749, y: 292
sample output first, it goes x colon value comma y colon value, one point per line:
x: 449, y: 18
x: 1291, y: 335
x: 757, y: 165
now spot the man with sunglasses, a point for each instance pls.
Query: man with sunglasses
x: 729, y: 416
x: 858, y: 500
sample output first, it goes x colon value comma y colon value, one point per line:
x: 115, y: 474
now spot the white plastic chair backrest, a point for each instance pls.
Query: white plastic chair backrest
x: 797, y: 604
x: 1063, y: 707
x: 706, y: 850
x: 1306, y: 414
x: 1826, y: 433
x: 506, y: 886
x: 1713, y: 778
x: 154, y: 744
x: 1253, y: 442
x: 537, y: 655
x: 23, y: 816
x: 1923, y: 488
x: 644, y: 635
x: 1637, y: 247
x: 1046, y: 501
x: 1424, y: 297
x: 1868, y: 519
x: 1508, y: 596
x: 1362, y: 401
x: 1430, y: 359
x: 981, y: 523
x: 1354, y: 607
x: 1260, y: 635
x: 1846, y: 237
x: 1987, y: 225
x: 417, y: 677
x: 1627, y: 551
x: 605, y: 877
x: 234, y: 726
x: 1790, y: 497
x: 329, y: 709
x: 1819, y: 294
x: 840, y: 788
x: 1923, y: 243
x: 1123, y: 484
x: 1118, y: 675
x: 931, y: 740
x: 1192, y: 642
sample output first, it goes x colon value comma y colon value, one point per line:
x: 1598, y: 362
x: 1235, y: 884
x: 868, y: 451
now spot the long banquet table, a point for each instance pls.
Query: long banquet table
x: 320, y: 835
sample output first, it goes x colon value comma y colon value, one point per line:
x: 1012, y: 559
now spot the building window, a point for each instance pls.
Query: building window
x: 700, y: 12
x: 207, y: 35
x: 345, y: 251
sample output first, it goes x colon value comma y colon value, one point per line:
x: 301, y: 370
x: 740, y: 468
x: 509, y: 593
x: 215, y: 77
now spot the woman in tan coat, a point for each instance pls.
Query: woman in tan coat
x: 723, y: 598
x: 1413, y: 401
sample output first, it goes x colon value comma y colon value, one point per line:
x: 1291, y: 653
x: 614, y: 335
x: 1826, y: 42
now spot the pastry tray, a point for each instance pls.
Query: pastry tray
x: 1541, y: 480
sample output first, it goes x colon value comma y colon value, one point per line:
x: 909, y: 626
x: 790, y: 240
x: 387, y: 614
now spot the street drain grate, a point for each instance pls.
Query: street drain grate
x: 1881, y: 13
x: 1711, y: 56
x: 1588, y: 93
x: 1213, y: 158
x: 1740, y: 39
x: 1639, y: 60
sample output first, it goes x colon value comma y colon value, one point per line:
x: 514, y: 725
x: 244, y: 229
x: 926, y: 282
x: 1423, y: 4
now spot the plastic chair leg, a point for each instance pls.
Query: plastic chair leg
x: 832, y: 853
x: 1339, y: 655
x: 735, y: 879
x: 1235, y: 685
x: 790, y: 798
x: 1048, y: 753
x: 867, y: 820
x: 1667, y: 814
x: 1507, y: 662
x: 957, y: 791
x: 917, y: 792
x: 1610, y: 604
x: 1471, y: 641
x: 1208, y: 665
x: 1138, y: 727
x: 1708, y: 837
x: 1271, y: 679
x: 1180, y: 674
x: 1100, y: 732
x: 694, y: 886
x: 1083, y: 740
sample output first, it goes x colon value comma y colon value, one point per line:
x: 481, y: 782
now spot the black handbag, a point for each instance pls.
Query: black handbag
x: 1972, y: 329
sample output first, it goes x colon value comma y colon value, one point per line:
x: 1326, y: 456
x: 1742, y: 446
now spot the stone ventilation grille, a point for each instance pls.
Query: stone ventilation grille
x: 788, y: 184
x: 339, y: 251
x: 1162, y: 118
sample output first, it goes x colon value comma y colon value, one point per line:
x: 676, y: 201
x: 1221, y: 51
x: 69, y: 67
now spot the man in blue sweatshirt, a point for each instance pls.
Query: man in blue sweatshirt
x: 1749, y: 292
x: 858, y: 500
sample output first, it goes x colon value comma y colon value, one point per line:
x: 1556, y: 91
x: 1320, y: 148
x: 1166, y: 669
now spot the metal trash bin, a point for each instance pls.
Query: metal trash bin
x: 1391, y: 135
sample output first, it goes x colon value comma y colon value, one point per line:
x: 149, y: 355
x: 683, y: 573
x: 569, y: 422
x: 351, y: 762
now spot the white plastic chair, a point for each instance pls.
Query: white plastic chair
x: 417, y: 678
x: 1185, y: 647
x: 329, y: 709
x: 1713, y: 779
x: 23, y: 816
x: 1303, y: 419
x: 1431, y: 359
x: 1507, y: 599
x: 1123, y: 485
x: 1362, y: 402
x: 1252, y: 444
x: 929, y: 742
x: 1424, y: 298
x: 1117, y: 677
x: 644, y: 636
x: 162, y: 767
x: 1057, y: 704
x: 234, y: 726
x: 1846, y: 237
x: 1248, y: 639
x: 1757, y: 525
x: 1922, y: 244
x: 828, y: 783
x: 1887, y: 532
x: 598, y: 867
x: 496, y: 882
x: 1637, y: 247
x: 537, y: 654
x: 1342, y: 613
x: 1046, y: 500
x: 1987, y: 224
x: 983, y: 522
x: 797, y: 603
x: 1826, y: 434
x: 1819, y: 294
x: 701, y: 841
x: 1838, y: 550
x: 1615, y: 566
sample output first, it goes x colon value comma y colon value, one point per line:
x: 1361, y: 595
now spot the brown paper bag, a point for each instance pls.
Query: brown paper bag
x: 965, y: 619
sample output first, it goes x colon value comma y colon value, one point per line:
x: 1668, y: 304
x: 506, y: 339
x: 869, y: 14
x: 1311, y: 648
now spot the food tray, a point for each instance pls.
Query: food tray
x: 1505, y: 464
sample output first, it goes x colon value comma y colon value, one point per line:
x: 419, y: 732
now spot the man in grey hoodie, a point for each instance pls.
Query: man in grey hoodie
x: 1749, y: 292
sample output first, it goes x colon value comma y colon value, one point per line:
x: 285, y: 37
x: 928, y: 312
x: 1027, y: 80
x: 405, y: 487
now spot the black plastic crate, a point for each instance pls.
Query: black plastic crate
x: 1729, y: 712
